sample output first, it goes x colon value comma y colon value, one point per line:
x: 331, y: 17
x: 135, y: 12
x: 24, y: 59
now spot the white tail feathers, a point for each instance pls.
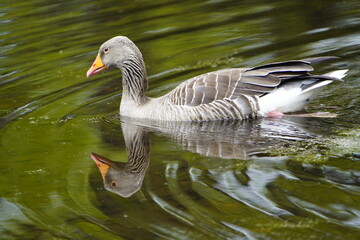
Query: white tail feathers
x: 292, y: 96
x: 337, y: 74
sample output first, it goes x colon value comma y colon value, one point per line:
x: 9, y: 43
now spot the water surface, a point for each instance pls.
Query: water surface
x: 290, y: 178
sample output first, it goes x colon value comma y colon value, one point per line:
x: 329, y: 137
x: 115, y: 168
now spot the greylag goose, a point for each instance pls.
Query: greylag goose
x: 238, y: 93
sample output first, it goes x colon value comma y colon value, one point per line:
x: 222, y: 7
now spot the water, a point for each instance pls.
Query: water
x: 291, y: 178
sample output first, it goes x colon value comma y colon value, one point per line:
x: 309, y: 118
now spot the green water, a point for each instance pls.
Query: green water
x: 291, y: 178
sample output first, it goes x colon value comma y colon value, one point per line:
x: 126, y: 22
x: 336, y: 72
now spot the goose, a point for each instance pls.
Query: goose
x: 269, y: 90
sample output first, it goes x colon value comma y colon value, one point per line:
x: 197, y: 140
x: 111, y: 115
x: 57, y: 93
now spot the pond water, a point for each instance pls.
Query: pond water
x: 289, y: 178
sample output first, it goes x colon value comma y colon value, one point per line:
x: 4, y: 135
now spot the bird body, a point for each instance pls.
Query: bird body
x: 237, y: 93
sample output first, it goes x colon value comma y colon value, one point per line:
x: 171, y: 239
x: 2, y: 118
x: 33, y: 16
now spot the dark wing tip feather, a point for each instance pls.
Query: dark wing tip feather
x: 320, y: 77
x: 309, y: 61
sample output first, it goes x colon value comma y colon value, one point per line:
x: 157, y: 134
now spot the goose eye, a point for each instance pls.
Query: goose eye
x: 106, y: 50
x: 113, y: 184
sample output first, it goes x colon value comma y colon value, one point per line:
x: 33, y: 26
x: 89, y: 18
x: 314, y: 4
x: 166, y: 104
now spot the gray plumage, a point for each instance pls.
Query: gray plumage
x: 237, y: 93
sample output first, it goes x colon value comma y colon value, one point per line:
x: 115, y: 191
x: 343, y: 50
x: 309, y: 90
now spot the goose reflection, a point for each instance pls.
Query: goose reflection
x: 227, y: 140
x: 121, y: 178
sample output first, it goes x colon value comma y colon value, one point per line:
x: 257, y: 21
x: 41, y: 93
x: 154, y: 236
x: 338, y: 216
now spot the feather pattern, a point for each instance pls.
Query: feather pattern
x: 235, y: 93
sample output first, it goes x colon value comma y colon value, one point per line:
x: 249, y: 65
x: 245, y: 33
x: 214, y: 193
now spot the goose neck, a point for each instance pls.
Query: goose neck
x: 134, y: 79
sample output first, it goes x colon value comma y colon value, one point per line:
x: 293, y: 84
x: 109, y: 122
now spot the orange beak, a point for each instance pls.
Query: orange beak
x: 96, y: 67
x: 103, y: 163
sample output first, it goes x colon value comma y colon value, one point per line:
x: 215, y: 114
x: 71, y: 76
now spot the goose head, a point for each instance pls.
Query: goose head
x: 114, y: 53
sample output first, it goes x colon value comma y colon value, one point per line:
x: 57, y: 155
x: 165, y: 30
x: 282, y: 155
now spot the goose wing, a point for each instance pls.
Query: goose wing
x: 233, y: 83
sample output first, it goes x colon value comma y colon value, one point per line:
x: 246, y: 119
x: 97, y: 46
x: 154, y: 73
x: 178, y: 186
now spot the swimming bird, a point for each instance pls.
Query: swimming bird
x: 237, y: 93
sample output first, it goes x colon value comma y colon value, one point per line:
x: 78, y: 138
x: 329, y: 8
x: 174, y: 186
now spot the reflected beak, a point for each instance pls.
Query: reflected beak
x: 103, y: 163
x: 96, y: 67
